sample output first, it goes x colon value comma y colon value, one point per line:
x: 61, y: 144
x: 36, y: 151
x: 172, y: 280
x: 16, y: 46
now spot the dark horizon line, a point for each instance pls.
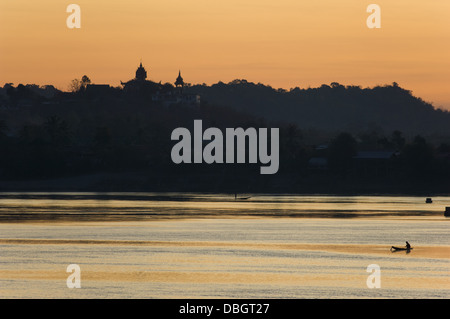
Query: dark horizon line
x: 444, y: 107
x: 393, y: 84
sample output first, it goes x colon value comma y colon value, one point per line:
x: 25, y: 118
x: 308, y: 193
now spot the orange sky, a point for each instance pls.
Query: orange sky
x: 283, y: 43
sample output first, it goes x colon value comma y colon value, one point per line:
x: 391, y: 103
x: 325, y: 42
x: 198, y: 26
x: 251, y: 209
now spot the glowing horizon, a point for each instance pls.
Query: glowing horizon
x: 284, y: 44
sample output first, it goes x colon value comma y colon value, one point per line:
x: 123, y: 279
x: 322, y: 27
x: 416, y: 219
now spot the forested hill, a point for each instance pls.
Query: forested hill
x: 332, y: 107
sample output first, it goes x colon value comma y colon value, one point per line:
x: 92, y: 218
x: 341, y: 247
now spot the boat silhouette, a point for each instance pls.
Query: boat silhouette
x: 240, y: 198
x: 394, y: 249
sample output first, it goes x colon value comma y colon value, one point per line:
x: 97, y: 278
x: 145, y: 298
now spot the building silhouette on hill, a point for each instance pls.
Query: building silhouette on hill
x: 166, y: 94
x: 140, y: 83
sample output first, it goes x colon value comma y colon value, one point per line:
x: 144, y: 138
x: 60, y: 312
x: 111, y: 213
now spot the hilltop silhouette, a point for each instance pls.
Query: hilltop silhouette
x: 332, y: 107
x: 333, y: 139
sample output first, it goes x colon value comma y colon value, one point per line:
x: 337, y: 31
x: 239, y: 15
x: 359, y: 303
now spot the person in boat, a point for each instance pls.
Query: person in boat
x: 408, y: 246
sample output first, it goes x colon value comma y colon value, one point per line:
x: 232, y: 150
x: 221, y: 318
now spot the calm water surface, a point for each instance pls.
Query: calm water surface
x: 141, y: 245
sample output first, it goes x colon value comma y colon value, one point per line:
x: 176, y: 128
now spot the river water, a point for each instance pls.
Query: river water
x: 149, y: 245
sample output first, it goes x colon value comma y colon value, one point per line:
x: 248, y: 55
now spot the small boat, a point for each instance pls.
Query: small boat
x: 393, y: 248
x: 240, y: 198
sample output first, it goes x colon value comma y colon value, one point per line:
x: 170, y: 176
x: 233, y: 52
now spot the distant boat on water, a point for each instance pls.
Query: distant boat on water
x: 394, y: 249
x: 240, y: 198
x: 406, y: 248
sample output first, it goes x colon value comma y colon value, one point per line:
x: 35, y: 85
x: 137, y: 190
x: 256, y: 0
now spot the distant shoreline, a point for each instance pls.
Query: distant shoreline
x: 282, y: 184
x: 40, y: 206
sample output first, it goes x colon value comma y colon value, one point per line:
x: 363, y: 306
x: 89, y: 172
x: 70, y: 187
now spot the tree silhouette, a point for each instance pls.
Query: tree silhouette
x: 77, y: 85
x: 398, y: 140
x: 341, y: 151
x: 85, y: 80
x: 418, y: 156
x: 291, y: 148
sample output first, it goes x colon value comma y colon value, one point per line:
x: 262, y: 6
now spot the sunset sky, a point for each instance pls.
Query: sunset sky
x: 282, y: 43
